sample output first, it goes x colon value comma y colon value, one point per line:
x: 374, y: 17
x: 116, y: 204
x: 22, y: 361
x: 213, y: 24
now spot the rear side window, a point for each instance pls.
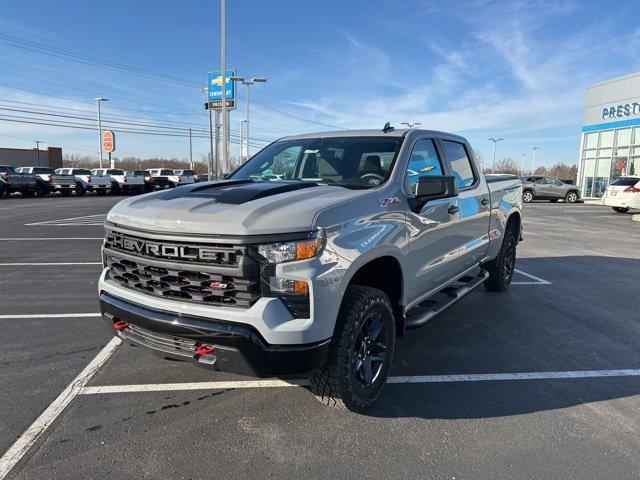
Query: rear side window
x: 81, y: 171
x: 115, y: 172
x: 625, y: 181
x: 166, y: 172
x: 4, y: 169
x: 42, y: 170
x: 456, y: 155
x: 423, y: 161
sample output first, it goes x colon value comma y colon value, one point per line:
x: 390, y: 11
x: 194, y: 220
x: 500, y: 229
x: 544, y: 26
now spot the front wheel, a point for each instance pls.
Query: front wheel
x: 361, y: 351
x: 572, y: 197
x: 501, y: 269
x: 527, y: 196
x: 42, y: 190
x: 80, y: 190
x: 620, y: 209
x: 115, y: 188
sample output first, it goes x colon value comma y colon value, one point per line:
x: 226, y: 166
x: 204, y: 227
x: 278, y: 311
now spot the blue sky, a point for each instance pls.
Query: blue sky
x: 516, y: 70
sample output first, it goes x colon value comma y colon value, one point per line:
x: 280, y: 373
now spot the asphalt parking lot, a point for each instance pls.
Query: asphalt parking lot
x: 540, y: 382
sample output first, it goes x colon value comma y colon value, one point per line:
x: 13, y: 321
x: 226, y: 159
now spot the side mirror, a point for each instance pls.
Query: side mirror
x: 434, y: 187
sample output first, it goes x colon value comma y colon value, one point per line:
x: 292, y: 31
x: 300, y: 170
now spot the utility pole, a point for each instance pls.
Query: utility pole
x: 190, y: 151
x: 98, y: 100
x: 495, y: 141
x: 533, y: 168
x: 223, y: 72
x: 243, y: 150
x: 217, y: 142
x: 38, y: 150
x: 524, y: 155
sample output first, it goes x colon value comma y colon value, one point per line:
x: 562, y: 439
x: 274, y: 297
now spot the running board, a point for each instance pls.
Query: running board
x: 419, y: 315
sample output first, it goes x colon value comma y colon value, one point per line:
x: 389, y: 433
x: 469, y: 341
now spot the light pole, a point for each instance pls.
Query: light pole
x: 495, y: 141
x: 190, y: 151
x: 98, y: 100
x: 412, y: 124
x: 38, y: 142
x: 524, y: 155
x: 533, y: 168
x: 248, y: 84
x: 243, y: 154
x: 223, y: 73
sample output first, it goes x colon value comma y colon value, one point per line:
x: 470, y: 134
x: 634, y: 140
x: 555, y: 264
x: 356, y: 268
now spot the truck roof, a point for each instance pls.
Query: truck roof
x: 367, y: 133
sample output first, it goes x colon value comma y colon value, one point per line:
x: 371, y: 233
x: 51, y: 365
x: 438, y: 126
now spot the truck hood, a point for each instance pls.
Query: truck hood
x: 240, y: 207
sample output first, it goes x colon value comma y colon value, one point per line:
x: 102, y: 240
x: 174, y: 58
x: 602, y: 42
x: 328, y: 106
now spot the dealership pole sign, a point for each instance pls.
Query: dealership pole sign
x: 214, y: 89
x: 612, y: 112
x: 108, y: 141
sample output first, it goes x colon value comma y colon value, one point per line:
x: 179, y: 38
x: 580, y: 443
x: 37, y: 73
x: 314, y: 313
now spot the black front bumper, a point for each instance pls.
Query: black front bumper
x: 237, y: 348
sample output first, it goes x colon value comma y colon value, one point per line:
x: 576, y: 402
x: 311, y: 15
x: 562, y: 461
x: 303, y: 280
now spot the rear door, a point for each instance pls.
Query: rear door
x: 472, y: 223
x: 554, y: 188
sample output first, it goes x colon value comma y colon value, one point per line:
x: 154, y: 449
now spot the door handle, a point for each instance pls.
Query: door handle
x: 453, y: 209
x: 484, y: 201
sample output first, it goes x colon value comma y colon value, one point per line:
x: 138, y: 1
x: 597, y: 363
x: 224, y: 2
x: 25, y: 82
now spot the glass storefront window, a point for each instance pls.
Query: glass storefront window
x: 624, y: 137
x: 601, y: 178
x: 606, y: 138
x: 604, y: 152
x: 588, y: 168
x: 634, y: 166
x: 591, y: 140
x: 590, y: 153
x: 636, y: 136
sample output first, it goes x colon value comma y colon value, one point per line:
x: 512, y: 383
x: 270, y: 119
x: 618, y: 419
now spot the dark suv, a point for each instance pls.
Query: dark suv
x: 547, y: 188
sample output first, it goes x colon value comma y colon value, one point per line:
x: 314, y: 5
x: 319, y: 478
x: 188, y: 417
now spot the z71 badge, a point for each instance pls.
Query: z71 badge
x: 385, y: 202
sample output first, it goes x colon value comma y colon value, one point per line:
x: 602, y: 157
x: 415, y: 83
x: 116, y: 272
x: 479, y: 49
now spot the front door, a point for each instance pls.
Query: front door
x: 432, y: 226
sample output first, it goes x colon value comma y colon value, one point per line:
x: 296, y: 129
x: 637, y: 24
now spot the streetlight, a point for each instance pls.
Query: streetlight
x: 98, y: 100
x: 412, y: 124
x: 38, y: 142
x: 248, y: 84
x: 495, y: 141
x: 533, y: 169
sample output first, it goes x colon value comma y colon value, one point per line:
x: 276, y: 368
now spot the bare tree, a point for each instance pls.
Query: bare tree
x: 507, y: 165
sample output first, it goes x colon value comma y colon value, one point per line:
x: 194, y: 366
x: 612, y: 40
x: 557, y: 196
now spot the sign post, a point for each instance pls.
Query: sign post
x: 109, y: 144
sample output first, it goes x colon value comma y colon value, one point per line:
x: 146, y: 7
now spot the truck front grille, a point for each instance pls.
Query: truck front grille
x: 177, y: 283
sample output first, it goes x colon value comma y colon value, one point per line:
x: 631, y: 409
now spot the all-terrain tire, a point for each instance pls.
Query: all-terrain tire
x: 620, y: 209
x: 115, y: 188
x: 502, y: 267
x: 80, y: 190
x: 340, y: 381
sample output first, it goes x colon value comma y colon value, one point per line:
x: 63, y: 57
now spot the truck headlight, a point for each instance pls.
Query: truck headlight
x: 291, y: 251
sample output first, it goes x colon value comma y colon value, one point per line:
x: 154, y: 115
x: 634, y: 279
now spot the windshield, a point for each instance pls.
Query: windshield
x: 625, y: 182
x: 356, y: 162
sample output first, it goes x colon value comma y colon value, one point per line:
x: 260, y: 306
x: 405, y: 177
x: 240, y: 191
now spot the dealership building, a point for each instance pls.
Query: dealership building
x: 31, y: 157
x: 610, y: 143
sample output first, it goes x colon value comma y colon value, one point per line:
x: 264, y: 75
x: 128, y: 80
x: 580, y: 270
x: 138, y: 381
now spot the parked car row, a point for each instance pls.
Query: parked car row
x: 42, y: 181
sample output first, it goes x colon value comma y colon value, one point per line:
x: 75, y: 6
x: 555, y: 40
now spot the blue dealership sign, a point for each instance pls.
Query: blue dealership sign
x: 215, y: 86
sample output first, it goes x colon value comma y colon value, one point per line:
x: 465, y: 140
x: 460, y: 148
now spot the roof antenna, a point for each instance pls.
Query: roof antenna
x: 387, y: 128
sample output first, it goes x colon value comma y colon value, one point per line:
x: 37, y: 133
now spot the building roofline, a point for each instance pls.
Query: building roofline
x: 617, y: 79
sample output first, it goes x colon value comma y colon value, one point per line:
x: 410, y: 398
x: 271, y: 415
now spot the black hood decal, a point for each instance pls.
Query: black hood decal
x: 234, y: 192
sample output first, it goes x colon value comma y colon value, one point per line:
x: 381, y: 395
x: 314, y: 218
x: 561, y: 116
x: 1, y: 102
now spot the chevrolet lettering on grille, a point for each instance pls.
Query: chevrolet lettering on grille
x: 170, y: 250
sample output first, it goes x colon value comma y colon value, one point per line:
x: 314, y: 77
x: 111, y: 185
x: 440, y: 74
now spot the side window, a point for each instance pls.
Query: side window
x: 423, y: 161
x: 456, y: 155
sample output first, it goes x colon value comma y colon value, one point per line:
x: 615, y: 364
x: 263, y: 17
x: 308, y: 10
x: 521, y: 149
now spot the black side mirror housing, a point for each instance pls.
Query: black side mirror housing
x: 434, y: 187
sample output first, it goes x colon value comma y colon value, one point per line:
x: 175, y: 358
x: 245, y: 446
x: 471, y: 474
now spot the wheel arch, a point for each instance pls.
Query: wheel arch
x: 384, y: 273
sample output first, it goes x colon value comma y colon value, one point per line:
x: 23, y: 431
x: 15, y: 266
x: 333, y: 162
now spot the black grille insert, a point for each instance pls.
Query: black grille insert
x: 169, y: 282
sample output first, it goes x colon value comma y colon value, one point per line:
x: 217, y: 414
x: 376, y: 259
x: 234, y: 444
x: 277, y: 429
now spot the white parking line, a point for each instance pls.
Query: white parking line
x: 50, y: 315
x: 538, y: 280
x: 97, y: 219
x: 37, y: 428
x: 45, y: 264
x: 48, y: 238
x: 482, y: 377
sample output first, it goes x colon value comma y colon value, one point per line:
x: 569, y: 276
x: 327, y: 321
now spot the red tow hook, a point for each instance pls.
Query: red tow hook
x: 204, y: 350
x: 120, y: 325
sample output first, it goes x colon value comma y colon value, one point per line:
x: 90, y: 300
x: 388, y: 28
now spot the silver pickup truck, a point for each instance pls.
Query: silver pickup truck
x: 54, y: 181
x: 28, y: 184
x: 312, y: 257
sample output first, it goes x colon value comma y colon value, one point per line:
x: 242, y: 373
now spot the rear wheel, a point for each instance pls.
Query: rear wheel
x: 42, y: 190
x: 527, y: 196
x: 572, y: 197
x: 501, y: 269
x: 361, y: 351
x: 621, y: 209
x: 80, y: 190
